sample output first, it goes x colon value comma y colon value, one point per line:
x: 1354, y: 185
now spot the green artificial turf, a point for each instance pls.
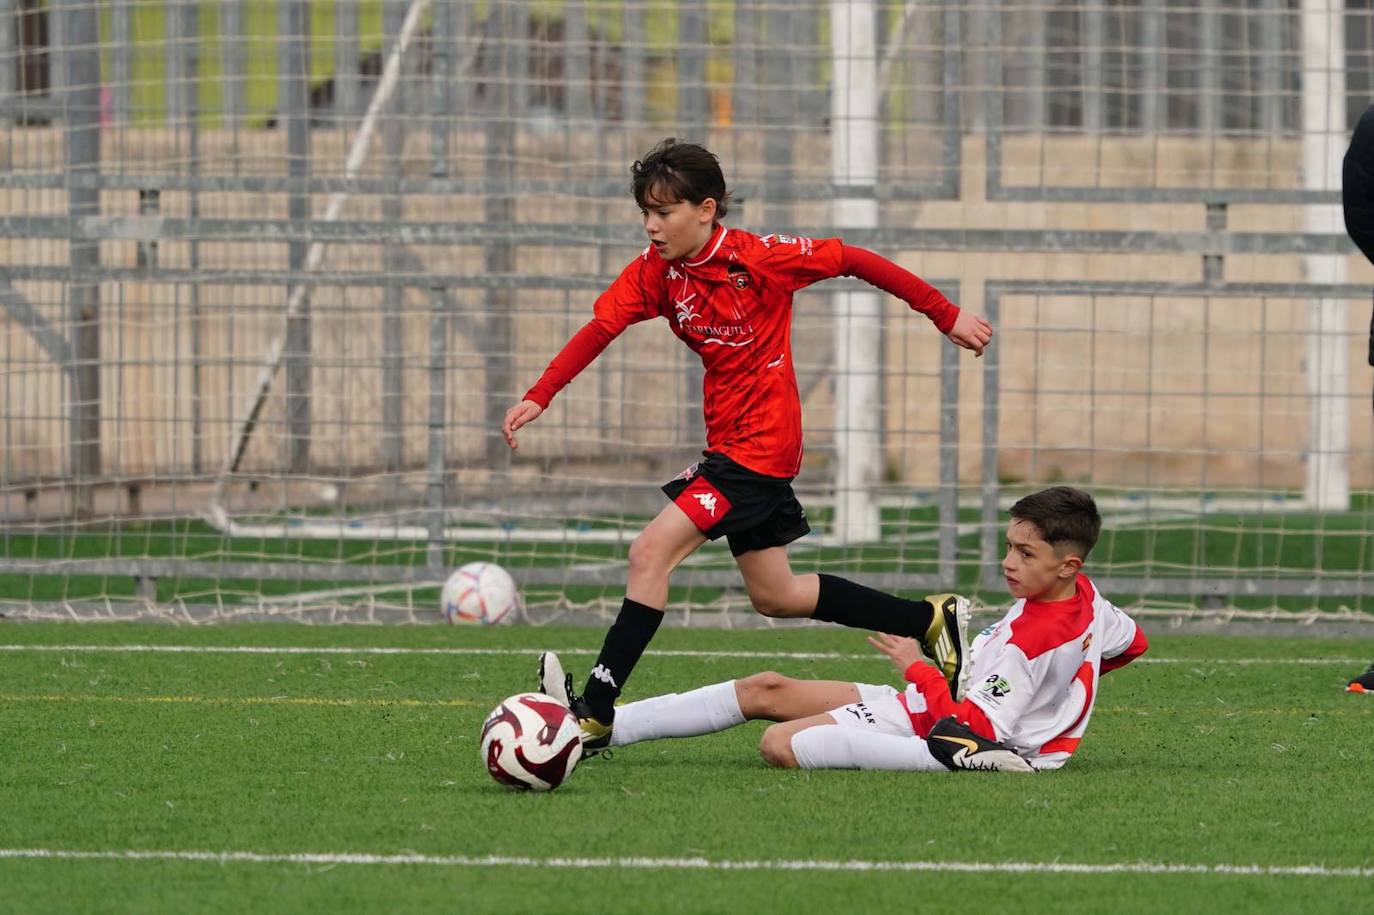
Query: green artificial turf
x: 1210, y: 752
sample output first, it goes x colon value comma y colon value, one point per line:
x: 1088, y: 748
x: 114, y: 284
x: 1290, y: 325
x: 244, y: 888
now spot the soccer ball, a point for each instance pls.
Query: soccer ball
x: 479, y: 592
x: 531, y: 742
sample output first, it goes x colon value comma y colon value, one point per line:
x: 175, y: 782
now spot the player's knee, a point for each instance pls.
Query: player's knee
x: 776, y: 604
x: 767, y: 605
x: 755, y: 692
x: 646, y: 555
x: 776, y: 747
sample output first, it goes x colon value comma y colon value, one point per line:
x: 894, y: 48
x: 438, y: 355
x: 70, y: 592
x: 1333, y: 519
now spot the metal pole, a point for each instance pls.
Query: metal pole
x: 578, y: 62
x: 293, y: 21
x: 990, y: 537
x: 81, y: 108
x: 191, y: 29
x: 499, y: 211
x: 691, y: 68
x: 441, y: 92
x: 393, y: 384
x: 1324, y: 137
x: 438, y: 416
x: 1151, y: 66
x: 347, y: 97
x: 1094, y: 116
x: 948, y: 549
x: 1209, y: 56
x: 8, y: 42
x: 858, y: 315
x: 231, y: 50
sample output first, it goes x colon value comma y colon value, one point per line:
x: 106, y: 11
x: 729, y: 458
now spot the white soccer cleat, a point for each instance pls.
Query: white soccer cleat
x: 555, y: 682
x: 552, y: 680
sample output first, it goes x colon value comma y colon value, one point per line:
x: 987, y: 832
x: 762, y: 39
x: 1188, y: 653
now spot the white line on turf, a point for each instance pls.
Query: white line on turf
x: 694, y: 864
x: 516, y: 652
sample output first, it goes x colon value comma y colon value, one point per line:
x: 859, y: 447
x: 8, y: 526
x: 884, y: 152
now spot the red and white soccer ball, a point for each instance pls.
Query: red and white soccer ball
x: 531, y: 742
x: 482, y: 593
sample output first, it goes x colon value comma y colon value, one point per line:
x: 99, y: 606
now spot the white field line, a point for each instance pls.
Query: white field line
x: 515, y: 652
x: 695, y: 864
x: 239, y: 700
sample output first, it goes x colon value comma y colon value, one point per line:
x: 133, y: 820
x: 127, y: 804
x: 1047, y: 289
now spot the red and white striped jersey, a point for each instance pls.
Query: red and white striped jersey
x: 1034, y: 674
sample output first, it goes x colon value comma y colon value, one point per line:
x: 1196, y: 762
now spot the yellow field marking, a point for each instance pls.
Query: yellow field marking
x: 239, y: 700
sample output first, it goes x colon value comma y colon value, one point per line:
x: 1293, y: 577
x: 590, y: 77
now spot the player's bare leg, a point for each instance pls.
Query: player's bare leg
x: 939, y: 622
x: 776, y: 745
x: 770, y: 696
x: 659, y: 549
x: 670, y: 538
x: 774, y: 589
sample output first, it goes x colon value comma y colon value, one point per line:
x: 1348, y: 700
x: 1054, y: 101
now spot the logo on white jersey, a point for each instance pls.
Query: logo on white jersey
x: 995, y: 687
x: 601, y: 673
x: 707, y: 501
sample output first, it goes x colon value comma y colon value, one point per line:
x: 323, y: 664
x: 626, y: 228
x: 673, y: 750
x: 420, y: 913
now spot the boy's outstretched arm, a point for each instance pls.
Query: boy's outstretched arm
x: 962, y: 328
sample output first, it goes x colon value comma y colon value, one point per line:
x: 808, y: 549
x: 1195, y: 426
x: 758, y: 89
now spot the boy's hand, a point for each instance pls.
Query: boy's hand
x: 526, y: 411
x: 900, y: 650
x: 970, y: 331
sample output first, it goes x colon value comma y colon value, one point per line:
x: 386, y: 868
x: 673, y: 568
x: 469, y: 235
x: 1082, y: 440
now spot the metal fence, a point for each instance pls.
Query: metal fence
x: 205, y: 202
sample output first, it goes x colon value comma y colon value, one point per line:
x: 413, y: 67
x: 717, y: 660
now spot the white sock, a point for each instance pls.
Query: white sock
x: 836, y: 747
x: 701, y: 711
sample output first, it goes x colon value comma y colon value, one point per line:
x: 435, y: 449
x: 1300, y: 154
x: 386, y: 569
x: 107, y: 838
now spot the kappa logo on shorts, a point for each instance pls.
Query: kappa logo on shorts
x: 703, y: 503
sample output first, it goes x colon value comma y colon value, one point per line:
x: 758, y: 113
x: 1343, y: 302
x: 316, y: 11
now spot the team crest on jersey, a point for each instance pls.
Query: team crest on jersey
x: 738, y: 275
x: 1087, y: 640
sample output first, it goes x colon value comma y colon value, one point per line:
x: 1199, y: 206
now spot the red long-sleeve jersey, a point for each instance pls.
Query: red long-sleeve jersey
x: 732, y: 305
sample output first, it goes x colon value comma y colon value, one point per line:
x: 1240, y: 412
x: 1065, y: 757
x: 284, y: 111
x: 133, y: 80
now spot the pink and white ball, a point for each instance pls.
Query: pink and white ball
x: 480, y: 593
x: 531, y: 742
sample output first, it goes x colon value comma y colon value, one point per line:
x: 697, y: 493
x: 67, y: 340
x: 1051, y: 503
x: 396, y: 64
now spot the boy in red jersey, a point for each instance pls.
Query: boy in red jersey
x: 1034, y: 675
x: 727, y: 294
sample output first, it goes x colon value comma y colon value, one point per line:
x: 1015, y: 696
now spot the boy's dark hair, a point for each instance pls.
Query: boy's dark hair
x: 677, y: 170
x: 1065, y: 517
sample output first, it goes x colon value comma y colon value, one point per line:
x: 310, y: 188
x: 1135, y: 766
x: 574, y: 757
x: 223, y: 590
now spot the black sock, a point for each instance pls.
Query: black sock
x: 626, y: 640
x: 849, y: 604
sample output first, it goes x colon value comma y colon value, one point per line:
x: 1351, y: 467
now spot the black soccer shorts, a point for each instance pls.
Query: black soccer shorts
x: 724, y: 499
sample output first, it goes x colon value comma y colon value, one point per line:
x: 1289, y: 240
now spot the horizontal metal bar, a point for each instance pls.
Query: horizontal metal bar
x: 353, y: 279
x: 1182, y: 290
x: 888, y: 188
x: 600, y: 189
x: 149, y: 228
x: 401, y: 574
x: 288, y: 571
x: 1236, y: 195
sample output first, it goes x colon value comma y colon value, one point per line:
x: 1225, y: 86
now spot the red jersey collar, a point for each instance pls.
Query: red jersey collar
x: 711, y: 248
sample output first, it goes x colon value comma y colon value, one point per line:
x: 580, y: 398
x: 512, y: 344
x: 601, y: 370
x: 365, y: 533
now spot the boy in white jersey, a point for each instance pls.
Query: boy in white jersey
x: 1023, y: 703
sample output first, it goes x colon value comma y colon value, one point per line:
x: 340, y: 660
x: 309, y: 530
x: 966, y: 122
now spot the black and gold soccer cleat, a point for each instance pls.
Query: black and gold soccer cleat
x: 554, y: 682
x: 946, y: 641
x: 960, y: 748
